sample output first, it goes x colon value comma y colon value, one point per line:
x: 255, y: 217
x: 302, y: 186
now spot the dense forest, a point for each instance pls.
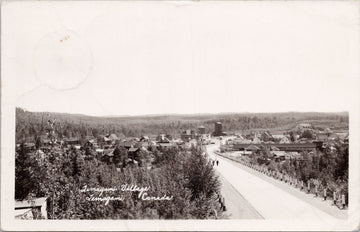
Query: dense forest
x: 324, y: 168
x: 59, y: 173
x: 186, y: 176
x: 30, y: 125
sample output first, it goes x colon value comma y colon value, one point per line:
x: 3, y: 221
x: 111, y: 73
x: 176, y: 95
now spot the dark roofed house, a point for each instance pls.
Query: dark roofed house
x: 201, y: 130
x: 163, y: 139
x: 127, y: 143
x: 90, y: 143
x: 144, y: 139
x: 186, y: 135
x: 108, y: 156
x: 133, y: 153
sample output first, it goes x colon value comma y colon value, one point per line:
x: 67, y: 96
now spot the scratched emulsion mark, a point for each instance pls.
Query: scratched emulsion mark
x: 62, y: 60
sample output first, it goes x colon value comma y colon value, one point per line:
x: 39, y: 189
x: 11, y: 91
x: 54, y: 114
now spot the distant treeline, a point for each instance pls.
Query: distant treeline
x: 30, y: 125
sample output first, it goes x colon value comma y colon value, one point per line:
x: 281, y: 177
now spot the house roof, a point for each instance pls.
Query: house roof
x: 30, y: 203
x: 279, y: 136
x: 113, y: 137
x: 109, y: 152
x: 144, y: 138
x: 128, y: 143
x: 294, y: 154
x: 166, y: 144
x: 278, y: 153
x: 163, y: 139
x: 133, y: 149
x: 252, y: 147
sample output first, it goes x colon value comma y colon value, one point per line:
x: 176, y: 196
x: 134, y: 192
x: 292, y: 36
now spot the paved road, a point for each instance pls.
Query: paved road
x: 237, y: 207
x: 269, y: 201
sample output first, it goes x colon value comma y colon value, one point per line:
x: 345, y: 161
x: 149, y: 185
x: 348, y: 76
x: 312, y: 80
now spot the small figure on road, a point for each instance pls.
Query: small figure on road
x: 213, y: 162
x: 334, y: 198
x: 217, y: 162
x: 325, y: 192
x: 343, y: 201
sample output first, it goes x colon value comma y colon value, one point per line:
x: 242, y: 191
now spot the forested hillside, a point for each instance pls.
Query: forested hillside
x: 31, y: 124
x: 187, y: 177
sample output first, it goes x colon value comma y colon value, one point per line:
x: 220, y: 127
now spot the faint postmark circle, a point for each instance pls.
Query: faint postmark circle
x: 62, y: 60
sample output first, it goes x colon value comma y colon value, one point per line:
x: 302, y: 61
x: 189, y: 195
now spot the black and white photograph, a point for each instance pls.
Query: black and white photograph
x: 180, y: 115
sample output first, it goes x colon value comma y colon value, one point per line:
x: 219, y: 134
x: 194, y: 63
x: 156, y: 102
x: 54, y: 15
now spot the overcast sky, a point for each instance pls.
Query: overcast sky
x: 131, y: 58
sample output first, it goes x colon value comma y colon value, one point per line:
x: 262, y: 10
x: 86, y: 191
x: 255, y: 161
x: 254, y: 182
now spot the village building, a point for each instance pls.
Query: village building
x: 256, y: 140
x: 71, y: 141
x: 165, y: 145
x: 91, y: 143
x: 240, y: 153
x: 293, y: 155
x: 281, y: 138
x: 201, y: 130
x: 113, y: 137
x: 252, y: 148
x: 108, y: 156
x: 162, y: 138
x: 128, y: 143
x: 218, y: 129
x: 303, y: 126
x: 145, y: 139
x: 31, y: 209
x: 265, y: 136
x: 278, y: 155
x: 186, y: 135
x: 99, y: 151
x: 133, y: 152
x: 310, y: 146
